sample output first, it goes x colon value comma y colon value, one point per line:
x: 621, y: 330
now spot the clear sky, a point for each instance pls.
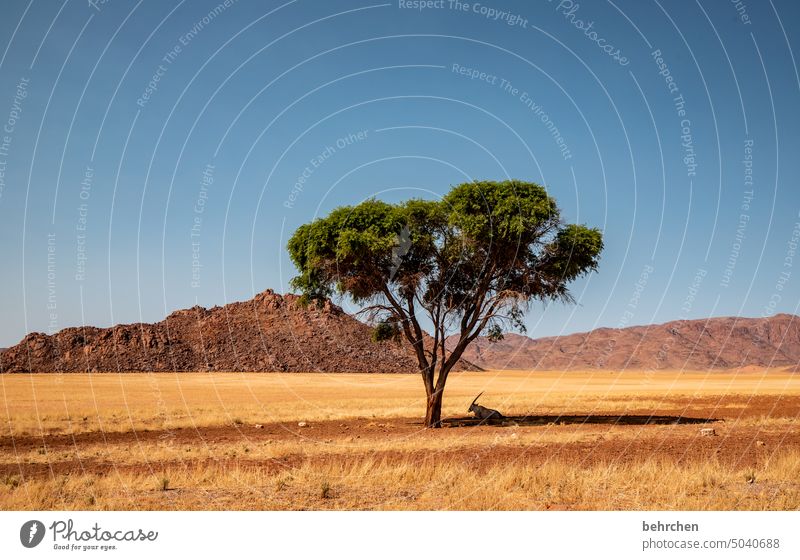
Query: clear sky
x: 158, y: 154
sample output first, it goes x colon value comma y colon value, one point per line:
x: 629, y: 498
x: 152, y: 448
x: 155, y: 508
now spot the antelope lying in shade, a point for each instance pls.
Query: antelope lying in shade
x: 483, y: 413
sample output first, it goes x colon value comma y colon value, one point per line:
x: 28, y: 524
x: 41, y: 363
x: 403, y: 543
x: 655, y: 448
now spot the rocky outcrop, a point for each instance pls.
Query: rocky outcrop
x: 271, y: 332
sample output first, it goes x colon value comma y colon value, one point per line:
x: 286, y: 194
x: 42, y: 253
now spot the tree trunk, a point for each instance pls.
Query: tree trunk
x: 433, y: 414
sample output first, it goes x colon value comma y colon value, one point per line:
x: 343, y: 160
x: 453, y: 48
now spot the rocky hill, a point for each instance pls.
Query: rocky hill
x: 268, y: 333
x: 272, y: 332
x: 716, y: 343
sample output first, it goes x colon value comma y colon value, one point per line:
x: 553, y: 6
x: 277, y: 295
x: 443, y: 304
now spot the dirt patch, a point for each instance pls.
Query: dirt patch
x: 483, y: 448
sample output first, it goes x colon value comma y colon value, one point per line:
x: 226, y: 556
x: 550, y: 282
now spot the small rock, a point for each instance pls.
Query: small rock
x: 707, y: 432
x: 302, y: 424
x: 259, y: 426
x: 760, y: 443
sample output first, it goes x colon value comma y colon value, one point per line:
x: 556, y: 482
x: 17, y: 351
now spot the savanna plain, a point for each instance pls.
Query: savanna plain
x: 598, y: 440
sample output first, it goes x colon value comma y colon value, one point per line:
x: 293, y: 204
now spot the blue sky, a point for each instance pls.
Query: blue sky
x: 158, y: 154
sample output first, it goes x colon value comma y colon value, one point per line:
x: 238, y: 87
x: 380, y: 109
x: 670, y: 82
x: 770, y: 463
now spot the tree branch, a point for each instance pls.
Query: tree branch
x: 415, y: 337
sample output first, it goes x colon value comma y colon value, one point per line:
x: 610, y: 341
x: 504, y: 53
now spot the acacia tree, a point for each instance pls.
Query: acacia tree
x: 467, y: 264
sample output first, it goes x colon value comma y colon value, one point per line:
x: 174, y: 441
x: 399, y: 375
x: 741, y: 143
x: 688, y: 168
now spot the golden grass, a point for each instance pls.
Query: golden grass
x: 75, y: 403
x: 373, y: 483
x: 377, y: 459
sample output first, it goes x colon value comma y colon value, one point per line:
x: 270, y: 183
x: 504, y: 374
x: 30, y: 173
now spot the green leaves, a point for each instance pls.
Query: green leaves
x: 385, y: 330
x: 576, y: 251
x: 500, y: 242
x: 505, y: 212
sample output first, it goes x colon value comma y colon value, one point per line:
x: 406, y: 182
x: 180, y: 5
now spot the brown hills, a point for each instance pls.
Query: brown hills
x: 716, y: 343
x: 271, y: 332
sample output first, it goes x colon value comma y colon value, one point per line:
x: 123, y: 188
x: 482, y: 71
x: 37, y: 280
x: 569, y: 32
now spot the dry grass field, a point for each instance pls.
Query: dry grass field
x: 577, y: 440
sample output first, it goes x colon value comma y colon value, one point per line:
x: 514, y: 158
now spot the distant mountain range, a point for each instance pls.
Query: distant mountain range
x: 701, y: 344
x: 274, y: 332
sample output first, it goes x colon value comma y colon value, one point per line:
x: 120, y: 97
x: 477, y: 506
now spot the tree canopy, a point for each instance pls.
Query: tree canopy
x: 470, y: 263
